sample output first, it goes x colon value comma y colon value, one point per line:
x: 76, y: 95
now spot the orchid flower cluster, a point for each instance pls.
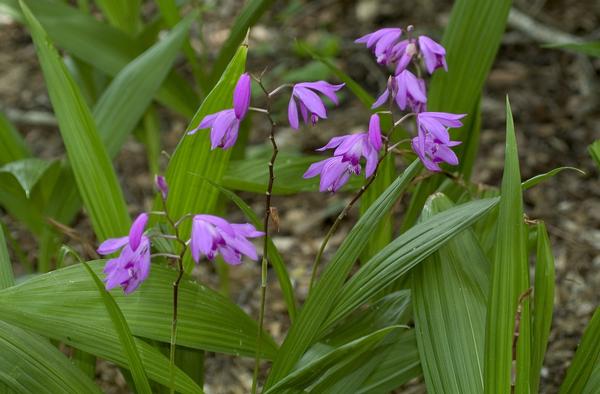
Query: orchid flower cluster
x: 212, y: 235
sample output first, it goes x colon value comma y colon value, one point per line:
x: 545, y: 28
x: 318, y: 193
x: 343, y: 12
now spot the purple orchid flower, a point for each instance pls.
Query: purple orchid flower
x: 431, y: 151
x: 349, y: 149
x: 437, y: 124
x: 407, y: 90
x: 212, y: 235
x: 382, y: 42
x: 310, y: 104
x: 334, y: 172
x: 225, y: 124
x: 434, y: 54
x: 132, y: 266
x: 404, y: 52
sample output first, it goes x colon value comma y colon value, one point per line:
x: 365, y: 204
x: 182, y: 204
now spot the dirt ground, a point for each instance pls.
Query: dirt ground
x: 555, y: 99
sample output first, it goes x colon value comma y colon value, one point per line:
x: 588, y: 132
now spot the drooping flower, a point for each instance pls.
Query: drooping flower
x: 382, y: 42
x: 161, y: 185
x: 212, y: 235
x: 434, y: 54
x: 437, y: 124
x: 132, y: 266
x: 431, y: 151
x: 404, y: 51
x: 309, y: 103
x: 334, y: 172
x: 407, y: 90
x: 225, y: 124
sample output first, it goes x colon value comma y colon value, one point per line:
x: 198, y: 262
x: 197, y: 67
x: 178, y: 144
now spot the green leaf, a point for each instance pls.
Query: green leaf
x: 7, y: 278
x: 543, y: 177
x: 585, y: 360
x: 103, y: 46
x: 449, y: 292
x: 124, y: 102
x: 594, y: 381
x: 510, y: 279
x: 30, y: 364
x: 274, y: 257
x: 311, y: 369
x: 249, y: 15
x: 591, y: 48
x: 594, y: 150
x: 404, y: 253
x: 307, y: 326
x: 27, y: 172
x: 193, y: 161
x: 95, y: 176
x: 543, y: 304
x: 253, y: 174
x: 122, y: 14
x: 12, y: 144
x: 64, y: 301
x: 127, y: 341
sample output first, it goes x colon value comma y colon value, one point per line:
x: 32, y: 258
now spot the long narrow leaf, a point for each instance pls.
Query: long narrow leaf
x: 510, y: 279
x: 127, y: 341
x: 7, y: 278
x: 585, y: 360
x: 320, y: 299
x: 543, y: 304
x: 95, y: 176
x: 12, y: 145
x: 449, y: 292
x: 30, y: 364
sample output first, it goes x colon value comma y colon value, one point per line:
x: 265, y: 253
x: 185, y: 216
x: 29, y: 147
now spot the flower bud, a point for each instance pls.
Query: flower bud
x: 161, y: 185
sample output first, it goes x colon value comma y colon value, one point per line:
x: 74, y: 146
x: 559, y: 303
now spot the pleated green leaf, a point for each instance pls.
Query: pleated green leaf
x: 306, y: 328
x: 62, y: 300
x: 95, y: 176
x: 249, y: 15
x: 274, y: 257
x: 7, y: 278
x: 510, y: 279
x: 449, y: 292
x: 126, y: 339
x: 543, y: 304
x: 404, y: 253
x: 106, y: 48
x: 396, y: 364
x: 12, y: 144
x: 593, y: 383
x: 311, y: 368
x: 586, y: 359
x: 31, y: 364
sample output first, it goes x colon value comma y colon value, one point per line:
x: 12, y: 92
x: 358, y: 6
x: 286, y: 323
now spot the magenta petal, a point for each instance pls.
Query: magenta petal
x: 246, y: 230
x: 375, y: 132
x: 111, y: 245
x: 293, y: 113
x: 323, y: 87
x: 334, y: 142
x: 314, y: 169
x: 221, y: 223
x: 382, y: 99
x: 311, y: 100
x: 241, y: 96
x: 136, y: 231
x: 221, y: 126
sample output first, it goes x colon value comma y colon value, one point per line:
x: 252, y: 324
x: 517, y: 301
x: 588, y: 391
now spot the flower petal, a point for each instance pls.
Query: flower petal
x: 311, y: 100
x: 293, y: 113
x: 241, y: 96
x: 375, y: 132
x: 111, y: 245
x: 137, y: 230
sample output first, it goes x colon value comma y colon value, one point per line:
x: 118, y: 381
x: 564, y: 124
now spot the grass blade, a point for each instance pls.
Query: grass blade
x: 95, y: 176
x: 126, y: 338
x: 528, y: 184
x: 585, y: 360
x: 320, y: 299
x: 594, y: 150
x: 122, y: 14
x: 31, y: 364
x: 543, y: 304
x: 510, y: 279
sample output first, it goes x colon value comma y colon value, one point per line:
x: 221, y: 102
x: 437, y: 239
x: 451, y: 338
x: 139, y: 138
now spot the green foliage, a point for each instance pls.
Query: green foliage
x: 12, y: 145
x: 594, y: 150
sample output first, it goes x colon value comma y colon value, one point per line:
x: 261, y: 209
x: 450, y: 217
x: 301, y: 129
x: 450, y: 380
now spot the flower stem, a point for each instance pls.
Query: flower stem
x: 265, y: 262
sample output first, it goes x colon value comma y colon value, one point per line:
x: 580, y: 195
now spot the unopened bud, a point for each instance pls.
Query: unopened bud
x: 161, y: 185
